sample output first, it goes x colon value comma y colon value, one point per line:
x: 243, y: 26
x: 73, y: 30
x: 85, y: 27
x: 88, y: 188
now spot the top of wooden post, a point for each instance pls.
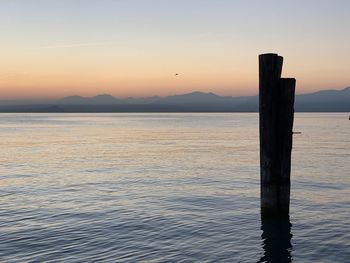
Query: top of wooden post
x: 268, y: 54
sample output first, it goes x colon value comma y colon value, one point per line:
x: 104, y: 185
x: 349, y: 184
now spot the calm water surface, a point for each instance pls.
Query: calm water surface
x: 167, y: 188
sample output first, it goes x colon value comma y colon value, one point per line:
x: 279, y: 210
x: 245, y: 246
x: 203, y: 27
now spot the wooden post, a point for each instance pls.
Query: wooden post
x: 276, y: 239
x: 276, y: 112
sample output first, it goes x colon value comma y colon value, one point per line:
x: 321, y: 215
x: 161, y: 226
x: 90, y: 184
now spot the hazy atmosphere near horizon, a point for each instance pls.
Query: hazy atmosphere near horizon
x: 169, y: 131
x: 52, y: 49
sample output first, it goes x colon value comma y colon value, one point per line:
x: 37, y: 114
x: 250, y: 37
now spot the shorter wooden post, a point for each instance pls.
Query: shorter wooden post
x: 285, y: 131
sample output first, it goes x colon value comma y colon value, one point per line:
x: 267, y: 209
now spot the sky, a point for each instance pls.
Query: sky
x: 52, y: 49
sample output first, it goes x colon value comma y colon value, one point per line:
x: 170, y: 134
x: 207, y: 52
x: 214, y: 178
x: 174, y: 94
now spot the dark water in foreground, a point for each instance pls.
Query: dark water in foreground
x: 167, y: 188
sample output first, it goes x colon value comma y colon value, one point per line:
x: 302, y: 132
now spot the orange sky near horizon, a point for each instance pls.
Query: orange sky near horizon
x: 129, y: 49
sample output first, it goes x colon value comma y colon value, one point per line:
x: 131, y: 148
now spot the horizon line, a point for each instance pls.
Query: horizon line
x: 150, y: 96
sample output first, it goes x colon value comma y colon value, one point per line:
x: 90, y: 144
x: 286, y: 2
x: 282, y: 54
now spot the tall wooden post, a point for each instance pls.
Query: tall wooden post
x: 276, y: 109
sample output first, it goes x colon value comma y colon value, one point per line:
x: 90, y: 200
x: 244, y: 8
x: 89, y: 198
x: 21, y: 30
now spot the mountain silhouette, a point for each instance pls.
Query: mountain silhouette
x: 325, y: 100
x: 97, y: 100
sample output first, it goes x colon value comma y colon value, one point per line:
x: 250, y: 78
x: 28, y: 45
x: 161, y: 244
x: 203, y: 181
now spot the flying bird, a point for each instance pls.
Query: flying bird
x: 176, y: 74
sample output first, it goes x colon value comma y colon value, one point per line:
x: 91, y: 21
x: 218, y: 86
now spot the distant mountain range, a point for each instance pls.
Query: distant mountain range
x: 321, y: 101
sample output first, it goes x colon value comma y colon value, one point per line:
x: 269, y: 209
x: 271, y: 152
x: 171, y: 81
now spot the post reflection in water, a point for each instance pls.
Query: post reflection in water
x: 276, y: 238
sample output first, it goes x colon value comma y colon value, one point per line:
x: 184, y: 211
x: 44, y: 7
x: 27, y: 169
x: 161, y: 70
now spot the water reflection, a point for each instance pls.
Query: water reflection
x: 276, y: 238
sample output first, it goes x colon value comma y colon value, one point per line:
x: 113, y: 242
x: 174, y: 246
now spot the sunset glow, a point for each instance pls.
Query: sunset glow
x: 127, y: 48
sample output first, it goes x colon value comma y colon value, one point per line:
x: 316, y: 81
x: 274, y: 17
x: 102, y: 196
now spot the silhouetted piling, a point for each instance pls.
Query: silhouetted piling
x: 276, y: 238
x: 276, y: 107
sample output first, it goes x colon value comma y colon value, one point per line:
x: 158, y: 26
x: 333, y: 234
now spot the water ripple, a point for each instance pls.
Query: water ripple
x: 166, y: 188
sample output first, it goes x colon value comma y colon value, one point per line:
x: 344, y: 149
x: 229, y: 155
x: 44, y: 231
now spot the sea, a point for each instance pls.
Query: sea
x: 167, y: 187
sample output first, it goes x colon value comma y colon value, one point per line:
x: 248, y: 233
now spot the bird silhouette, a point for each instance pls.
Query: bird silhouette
x: 176, y: 74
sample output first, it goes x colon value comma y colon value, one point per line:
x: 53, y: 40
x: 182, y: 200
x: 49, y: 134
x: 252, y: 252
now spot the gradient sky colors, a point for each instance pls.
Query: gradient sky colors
x: 126, y: 48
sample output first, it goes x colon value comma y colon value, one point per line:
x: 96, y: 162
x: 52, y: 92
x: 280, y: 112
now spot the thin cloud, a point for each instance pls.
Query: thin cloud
x: 10, y: 75
x: 74, y: 45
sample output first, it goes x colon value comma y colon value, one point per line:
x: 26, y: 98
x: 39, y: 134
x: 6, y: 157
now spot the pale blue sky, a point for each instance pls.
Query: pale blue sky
x: 54, y: 48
